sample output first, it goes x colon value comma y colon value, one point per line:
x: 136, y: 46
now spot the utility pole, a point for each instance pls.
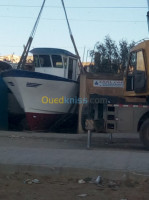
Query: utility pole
x: 83, y: 54
x: 148, y: 15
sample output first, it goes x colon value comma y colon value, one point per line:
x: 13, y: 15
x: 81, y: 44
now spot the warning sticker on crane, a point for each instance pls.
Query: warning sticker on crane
x: 108, y: 83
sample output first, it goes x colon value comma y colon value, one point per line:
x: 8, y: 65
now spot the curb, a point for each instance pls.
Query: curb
x: 77, y: 172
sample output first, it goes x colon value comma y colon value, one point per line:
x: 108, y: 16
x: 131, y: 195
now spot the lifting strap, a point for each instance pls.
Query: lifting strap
x: 72, y: 39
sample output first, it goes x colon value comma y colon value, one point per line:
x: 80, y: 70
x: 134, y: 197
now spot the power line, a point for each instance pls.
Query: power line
x: 95, y: 20
x: 21, y: 46
x: 79, y: 7
x: 105, y: 7
x: 78, y: 20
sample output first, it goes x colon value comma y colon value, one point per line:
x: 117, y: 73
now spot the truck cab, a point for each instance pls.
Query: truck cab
x: 137, y: 72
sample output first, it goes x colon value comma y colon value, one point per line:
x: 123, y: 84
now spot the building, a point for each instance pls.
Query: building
x: 15, y: 59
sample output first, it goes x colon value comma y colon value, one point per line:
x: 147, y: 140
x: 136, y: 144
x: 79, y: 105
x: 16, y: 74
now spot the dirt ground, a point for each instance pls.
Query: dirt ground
x: 20, y: 187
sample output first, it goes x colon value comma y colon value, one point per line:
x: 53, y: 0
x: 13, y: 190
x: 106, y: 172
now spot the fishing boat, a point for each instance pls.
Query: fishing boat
x: 48, y: 92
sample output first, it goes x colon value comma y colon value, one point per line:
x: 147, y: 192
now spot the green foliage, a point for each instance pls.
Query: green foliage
x: 110, y: 57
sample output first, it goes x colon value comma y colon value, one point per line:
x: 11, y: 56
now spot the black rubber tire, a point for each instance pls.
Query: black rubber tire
x: 144, y: 133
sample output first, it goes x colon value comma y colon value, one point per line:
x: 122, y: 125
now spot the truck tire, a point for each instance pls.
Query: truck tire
x: 144, y: 133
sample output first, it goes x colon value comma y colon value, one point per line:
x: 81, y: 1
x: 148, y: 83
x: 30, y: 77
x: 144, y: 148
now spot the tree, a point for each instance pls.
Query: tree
x: 109, y: 57
x: 124, y: 49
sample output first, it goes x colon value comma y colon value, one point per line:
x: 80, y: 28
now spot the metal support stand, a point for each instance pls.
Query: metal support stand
x: 89, y: 137
x: 110, y: 138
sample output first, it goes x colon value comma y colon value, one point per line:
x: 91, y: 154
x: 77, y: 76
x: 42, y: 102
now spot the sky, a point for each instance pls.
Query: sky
x: 90, y: 21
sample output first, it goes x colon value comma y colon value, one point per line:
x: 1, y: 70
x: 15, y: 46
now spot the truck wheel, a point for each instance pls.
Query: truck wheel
x: 144, y: 133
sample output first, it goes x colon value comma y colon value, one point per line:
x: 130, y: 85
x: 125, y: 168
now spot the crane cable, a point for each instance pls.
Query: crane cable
x: 82, y: 70
x: 29, y: 42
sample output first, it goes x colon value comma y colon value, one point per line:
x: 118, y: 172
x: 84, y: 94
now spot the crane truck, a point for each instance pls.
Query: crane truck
x: 122, y: 107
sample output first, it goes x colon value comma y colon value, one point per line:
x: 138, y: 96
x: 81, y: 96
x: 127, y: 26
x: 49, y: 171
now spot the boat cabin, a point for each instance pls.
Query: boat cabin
x: 58, y: 62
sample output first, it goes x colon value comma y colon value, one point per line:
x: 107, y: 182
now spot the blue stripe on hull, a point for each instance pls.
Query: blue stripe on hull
x: 29, y: 74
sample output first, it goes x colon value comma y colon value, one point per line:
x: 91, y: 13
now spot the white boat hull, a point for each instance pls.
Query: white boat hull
x: 44, y: 100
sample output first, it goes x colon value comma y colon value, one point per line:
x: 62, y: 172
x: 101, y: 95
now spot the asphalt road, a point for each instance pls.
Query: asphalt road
x: 121, y: 142
x: 69, y: 150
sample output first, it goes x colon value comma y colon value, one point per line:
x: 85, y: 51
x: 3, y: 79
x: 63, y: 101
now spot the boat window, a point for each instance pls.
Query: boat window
x: 36, y: 61
x: 65, y: 62
x: 70, y: 68
x: 57, y: 61
x: 45, y: 61
x: 74, y: 68
x: 140, y: 61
